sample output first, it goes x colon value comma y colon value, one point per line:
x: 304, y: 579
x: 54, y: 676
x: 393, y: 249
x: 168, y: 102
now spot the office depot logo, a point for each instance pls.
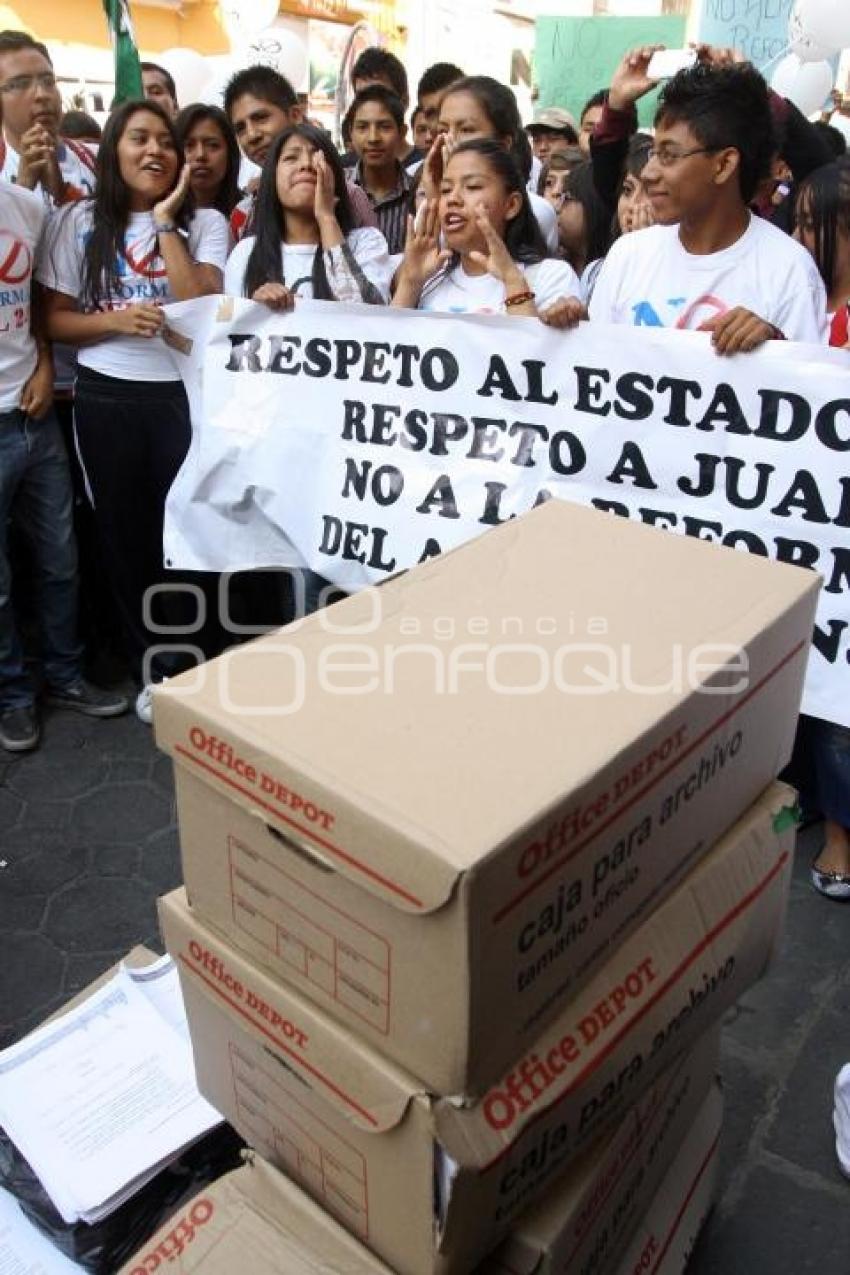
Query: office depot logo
x: 215, y: 970
x: 175, y: 1242
x: 226, y: 760
x: 525, y: 1087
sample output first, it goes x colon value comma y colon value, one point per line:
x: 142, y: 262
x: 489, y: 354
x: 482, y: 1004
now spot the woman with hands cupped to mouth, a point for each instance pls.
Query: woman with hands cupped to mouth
x: 477, y: 248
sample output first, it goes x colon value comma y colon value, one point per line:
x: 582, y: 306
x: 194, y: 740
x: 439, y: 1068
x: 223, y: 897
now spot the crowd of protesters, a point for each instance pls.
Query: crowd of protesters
x: 732, y: 216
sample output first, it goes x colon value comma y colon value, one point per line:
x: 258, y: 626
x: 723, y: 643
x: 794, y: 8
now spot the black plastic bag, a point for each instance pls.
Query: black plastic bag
x: 103, y: 1247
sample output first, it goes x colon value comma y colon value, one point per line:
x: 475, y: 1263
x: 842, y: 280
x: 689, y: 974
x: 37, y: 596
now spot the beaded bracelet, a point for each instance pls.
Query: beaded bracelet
x: 519, y: 298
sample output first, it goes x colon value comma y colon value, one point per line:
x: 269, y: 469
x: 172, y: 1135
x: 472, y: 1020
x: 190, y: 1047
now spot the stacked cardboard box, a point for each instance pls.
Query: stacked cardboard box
x: 471, y: 859
x: 254, y: 1220
x: 581, y: 1225
x: 257, y: 1217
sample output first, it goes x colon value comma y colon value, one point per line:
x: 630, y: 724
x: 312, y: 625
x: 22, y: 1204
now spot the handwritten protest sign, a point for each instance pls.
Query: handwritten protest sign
x: 573, y: 57
x: 361, y: 441
x: 759, y: 28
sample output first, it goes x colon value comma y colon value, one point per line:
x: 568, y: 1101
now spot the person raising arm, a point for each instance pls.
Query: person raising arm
x: 494, y: 259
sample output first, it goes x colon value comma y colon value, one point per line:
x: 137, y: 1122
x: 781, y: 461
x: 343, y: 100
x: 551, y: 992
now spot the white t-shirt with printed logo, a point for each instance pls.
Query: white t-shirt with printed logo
x: 22, y: 217
x: 462, y: 293
x: 142, y: 277
x: 649, y: 280
x: 77, y: 166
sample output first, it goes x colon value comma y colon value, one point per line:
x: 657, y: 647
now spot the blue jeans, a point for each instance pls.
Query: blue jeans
x: 35, y: 492
x: 820, y: 769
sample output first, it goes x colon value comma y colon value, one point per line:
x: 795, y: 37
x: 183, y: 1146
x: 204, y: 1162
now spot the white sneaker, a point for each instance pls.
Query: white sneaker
x: 841, y: 1119
x: 144, y: 705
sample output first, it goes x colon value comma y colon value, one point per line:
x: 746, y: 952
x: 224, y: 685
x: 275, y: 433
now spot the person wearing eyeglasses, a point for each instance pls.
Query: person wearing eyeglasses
x: 709, y: 264
x: 32, y: 154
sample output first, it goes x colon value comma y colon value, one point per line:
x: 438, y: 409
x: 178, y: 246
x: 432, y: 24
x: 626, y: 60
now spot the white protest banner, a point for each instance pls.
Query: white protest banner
x: 361, y: 441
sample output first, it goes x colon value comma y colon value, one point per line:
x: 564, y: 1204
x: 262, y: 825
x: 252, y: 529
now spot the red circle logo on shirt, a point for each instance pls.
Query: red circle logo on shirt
x: 142, y: 255
x: 15, y: 258
x: 702, y: 310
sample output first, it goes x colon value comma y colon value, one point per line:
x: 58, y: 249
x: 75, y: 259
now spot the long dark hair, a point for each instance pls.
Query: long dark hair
x: 228, y: 194
x: 523, y: 237
x: 597, y: 215
x: 265, y: 264
x: 825, y: 197
x: 111, y: 204
x: 498, y: 103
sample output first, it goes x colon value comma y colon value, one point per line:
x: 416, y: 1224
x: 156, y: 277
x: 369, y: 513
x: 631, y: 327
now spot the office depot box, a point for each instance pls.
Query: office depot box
x: 431, y: 1185
x: 665, y: 1238
x: 583, y: 1223
x: 435, y: 806
x: 257, y: 1221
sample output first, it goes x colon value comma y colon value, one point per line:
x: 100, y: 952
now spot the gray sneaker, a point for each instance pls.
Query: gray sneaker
x: 91, y: 701
x: 19, y: 732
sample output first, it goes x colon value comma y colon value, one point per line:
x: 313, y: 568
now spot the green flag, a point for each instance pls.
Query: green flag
x: 128, y: 72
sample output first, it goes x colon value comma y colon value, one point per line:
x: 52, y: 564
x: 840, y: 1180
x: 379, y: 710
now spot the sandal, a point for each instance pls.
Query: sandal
x: 834, y: 885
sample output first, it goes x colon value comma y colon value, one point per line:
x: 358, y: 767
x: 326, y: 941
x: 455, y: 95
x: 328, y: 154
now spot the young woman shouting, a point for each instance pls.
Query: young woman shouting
x: 110, y: 263
x: 493, y: 258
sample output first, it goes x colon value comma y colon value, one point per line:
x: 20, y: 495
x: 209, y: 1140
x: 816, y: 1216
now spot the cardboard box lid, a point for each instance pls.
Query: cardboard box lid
x: 320, y: 1244
x: 367, y: 1089
x: 438, y: 781
x: 255, y: 1220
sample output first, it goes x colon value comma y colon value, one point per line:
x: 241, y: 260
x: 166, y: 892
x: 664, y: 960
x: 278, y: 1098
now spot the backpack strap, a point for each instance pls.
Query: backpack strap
x: 82, y: 153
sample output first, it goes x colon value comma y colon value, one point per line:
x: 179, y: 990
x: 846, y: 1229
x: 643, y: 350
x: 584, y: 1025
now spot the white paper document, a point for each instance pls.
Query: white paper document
x: 159, y: 982
x: 23, y: 1249
x: 98, y: 1100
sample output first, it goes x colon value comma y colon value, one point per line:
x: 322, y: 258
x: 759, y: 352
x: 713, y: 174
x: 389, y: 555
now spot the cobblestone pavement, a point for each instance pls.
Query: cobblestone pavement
x: 88, y: 841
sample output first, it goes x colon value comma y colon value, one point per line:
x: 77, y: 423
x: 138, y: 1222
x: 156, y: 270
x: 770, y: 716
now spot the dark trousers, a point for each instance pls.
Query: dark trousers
x: 100, y: 631
x: 132, y: 437
x: 35, y: 493
x: 820, y: 769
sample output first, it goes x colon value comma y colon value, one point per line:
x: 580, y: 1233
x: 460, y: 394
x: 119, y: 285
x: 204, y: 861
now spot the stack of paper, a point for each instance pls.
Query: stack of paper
x: 99, y: 1100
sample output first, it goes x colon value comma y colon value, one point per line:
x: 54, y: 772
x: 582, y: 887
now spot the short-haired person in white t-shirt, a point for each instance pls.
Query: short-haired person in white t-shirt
x: 708, y: 263
x: 35, y: 492
x: 110, y: 263
x: 478, y: 249
x: 32, y: 153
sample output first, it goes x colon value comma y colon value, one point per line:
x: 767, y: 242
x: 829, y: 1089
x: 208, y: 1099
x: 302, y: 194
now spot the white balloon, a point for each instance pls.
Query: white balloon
x: 842, y: 123
x: 223, y: 71
x: 285, y: 51
x: 782, y: 80
x: 806, y: 84
x: 801, y: 42
x: 191, y: 73
x: 246, y: 18
x: 826, y: 22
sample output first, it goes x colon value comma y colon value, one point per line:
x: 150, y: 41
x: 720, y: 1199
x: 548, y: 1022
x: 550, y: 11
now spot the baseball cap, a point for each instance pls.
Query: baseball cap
x: 554, y: 117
